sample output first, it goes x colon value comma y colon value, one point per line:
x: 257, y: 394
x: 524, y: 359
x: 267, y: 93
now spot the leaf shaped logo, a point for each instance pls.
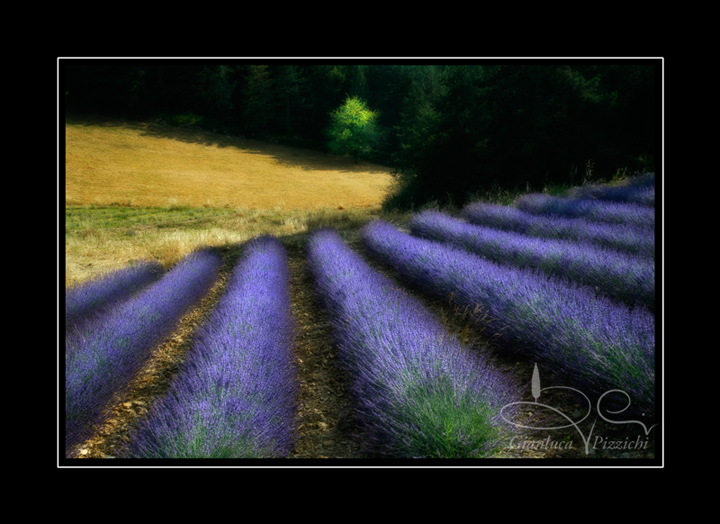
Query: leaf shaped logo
x: 535, y: 384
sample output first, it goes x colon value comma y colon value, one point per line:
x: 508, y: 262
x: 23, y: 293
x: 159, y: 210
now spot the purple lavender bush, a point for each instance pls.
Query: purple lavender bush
x: 622, y: 237
x: 236, y: 395
x: 596, y: 343
x: 102, y: 358
x: 418, y: 392
x: 635, y: 190
x: 588, y: 208
x: 95, y: 296
x: 627, y: 278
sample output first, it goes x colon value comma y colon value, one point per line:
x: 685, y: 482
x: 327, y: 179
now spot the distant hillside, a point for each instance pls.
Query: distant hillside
x: 142, y: 164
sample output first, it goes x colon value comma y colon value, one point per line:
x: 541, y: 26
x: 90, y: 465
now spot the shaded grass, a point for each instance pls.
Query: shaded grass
x: 99, y: 239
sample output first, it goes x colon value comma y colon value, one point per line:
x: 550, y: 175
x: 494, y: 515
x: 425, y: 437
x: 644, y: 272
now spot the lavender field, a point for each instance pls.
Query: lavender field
x: 564, y: 284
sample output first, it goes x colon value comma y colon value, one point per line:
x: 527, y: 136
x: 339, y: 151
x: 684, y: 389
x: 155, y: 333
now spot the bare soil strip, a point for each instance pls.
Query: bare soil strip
x: 327, y: 428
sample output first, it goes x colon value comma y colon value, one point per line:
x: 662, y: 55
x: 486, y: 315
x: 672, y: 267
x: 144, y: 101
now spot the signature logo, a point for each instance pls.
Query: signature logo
x: 537, y: 390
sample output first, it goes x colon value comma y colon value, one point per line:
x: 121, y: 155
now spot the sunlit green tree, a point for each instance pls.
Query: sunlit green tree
x: 353, y: 129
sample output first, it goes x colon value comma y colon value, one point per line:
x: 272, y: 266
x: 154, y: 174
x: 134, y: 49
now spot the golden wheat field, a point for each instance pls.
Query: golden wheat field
x: 144, y: 164
x: 138, y: 191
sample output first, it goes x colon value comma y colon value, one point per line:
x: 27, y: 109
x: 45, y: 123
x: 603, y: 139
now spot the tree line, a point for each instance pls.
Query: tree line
x: 448, y: 129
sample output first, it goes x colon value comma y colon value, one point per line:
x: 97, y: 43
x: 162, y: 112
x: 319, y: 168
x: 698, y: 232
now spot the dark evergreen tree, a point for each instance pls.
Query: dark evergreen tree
x: 327, y: 89
x: 257, y: 113
x: 359, y: 86
x: 291, y: 92
x: 216, y: 85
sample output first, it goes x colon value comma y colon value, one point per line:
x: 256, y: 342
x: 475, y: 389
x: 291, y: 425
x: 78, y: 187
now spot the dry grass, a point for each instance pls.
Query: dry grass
x: 155, y: 165
x: 148, y: 192
x: 99, y: 239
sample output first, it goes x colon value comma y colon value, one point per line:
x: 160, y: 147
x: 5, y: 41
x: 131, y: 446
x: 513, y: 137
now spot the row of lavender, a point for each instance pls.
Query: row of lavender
x: 635, y: 190
x: 106, y: 347
x: 633, y: 214
x: 236, y: 394
x: 627, y: 277
x: 418, y: 392
x: 82, y: 303
x: 620, y: 236
x: 601, y: 236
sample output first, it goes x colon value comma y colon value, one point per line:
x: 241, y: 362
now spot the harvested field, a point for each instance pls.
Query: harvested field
x: 141, y: 164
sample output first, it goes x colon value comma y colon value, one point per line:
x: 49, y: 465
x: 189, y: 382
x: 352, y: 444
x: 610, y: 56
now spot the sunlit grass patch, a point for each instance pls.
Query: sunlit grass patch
x: 99, y: 239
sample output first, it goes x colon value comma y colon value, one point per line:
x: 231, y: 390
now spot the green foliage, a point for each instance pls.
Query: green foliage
x: 442, y: 422
x: 216, y: 89
x: 291, y: 95
x: 258, y: 109
x: 470, y: 129
x: 353, y: 129
x: 187, y: 119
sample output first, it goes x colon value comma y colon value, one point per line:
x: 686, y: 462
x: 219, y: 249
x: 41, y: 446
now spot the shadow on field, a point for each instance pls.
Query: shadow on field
x: 287, y: 156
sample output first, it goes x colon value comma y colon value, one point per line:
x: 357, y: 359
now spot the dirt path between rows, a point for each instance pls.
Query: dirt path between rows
x: 327, y: 428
